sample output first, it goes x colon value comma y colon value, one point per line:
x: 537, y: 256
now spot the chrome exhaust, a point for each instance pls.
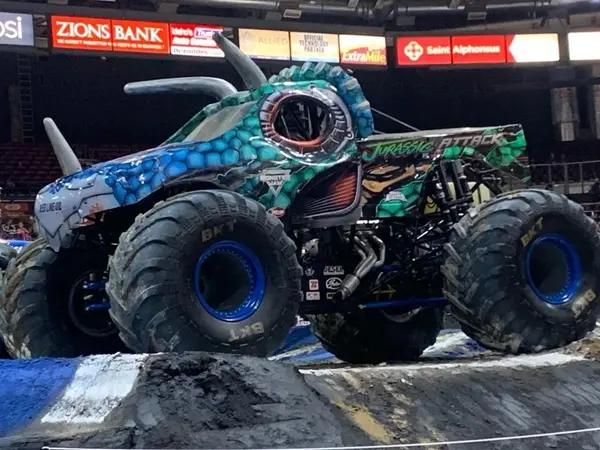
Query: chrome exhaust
x: 369, y: 259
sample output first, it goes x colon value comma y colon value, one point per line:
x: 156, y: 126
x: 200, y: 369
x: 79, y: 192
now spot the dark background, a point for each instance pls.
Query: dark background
x: 84, y: 95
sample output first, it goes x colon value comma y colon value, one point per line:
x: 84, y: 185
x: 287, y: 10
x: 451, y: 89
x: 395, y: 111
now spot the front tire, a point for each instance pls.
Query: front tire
x: 372, y: 337
x: 522, y: 272
x: 205, y: 271
x: 43, y: 308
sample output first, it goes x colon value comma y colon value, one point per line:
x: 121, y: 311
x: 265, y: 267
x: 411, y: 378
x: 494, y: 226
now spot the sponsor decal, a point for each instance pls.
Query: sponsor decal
x: 187, y: 39
x: 50, y: 207
x: 333, y: 283
x: 584, y: 45
x: 140, y: 37
x: 309, y: 271
x: 395, y: 196
x: 333, y: 270
x: 277, y: 211
x: 275, y: 179
x: 313, y: 296
x: 423, y: 50
x: 314, y: 47
x: 265, y: 44
x: 396, y: 148
x: 484, y: 49
x: 363, y: 50
x: 16, y: 29
x: 330, y: 295
x: 313, y: 285
x: 81, y: 33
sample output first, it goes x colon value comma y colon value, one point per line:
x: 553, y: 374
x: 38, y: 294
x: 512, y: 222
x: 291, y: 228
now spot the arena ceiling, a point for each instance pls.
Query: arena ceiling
x: 391, y: 14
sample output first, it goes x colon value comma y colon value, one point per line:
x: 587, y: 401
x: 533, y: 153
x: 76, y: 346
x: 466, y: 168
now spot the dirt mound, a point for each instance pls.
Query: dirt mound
x: 198, y: 400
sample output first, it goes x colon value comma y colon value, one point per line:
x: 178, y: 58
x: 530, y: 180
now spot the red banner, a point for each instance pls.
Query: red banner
x: 423, y: 51
x: 81, y: 33
x: 140, y: 37
x: 477, y: 49
x: 485, y: 49
x: 187, y: 39
x: 133, y: 36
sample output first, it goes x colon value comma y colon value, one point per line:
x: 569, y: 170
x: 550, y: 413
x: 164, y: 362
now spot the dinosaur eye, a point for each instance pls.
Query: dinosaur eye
x: 303, y: 121
x: 308, y: 124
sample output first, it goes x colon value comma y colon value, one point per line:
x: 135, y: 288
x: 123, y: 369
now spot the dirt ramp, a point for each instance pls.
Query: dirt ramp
x: 222, y: 402
x: 192, y: 400
x: 470, y: 401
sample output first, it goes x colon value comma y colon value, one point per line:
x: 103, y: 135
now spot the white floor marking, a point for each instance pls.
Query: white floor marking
x: 415, y: 445
x: 99, y: 385
x: 531, y: 361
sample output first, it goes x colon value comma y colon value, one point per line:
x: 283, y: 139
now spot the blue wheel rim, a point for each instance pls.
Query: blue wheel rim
x: 256, y: 280
x: 572, y: 264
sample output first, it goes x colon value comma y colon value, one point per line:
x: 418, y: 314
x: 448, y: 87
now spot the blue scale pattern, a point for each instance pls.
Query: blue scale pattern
x: 135, y: 177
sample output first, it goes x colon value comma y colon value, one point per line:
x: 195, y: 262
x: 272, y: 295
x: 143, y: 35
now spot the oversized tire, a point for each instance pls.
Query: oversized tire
x: 45, y: 298
x: 6, y: 254
x: 372, y: 337
x: 522, y: 272
x: 205, y: 271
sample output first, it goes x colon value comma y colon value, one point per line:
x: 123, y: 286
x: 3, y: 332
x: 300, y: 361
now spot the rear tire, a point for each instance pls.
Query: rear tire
x: 35, y: 316
x: 6, y: 254
x: 205, y: 271
x: 372, y: 337
x: 522, y: 272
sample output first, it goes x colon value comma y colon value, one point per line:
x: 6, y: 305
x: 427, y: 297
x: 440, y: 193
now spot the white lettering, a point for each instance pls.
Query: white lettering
x: 12, y: 29
x: 137, y: 34
x: 83, y: 30
x: 438, y: 50
x: 476, y: 49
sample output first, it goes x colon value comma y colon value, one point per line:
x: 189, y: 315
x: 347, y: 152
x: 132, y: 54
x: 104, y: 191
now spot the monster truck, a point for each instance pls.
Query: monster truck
x: 283, y: 198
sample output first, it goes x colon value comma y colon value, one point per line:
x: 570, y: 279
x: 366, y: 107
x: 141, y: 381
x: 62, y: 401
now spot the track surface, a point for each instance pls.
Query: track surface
x: 459, y: 391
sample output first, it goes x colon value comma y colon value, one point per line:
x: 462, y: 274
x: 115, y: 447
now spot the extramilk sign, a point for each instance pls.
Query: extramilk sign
x: 16, y: 29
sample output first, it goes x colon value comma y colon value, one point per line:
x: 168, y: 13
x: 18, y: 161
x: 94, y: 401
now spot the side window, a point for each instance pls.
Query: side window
x: 219, y: 123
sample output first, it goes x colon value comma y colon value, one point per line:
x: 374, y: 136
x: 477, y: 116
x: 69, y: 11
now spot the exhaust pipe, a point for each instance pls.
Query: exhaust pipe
x: 369, y: 260
x: 67, y: 159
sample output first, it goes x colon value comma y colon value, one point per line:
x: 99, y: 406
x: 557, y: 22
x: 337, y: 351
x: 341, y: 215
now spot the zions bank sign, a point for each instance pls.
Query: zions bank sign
x: 16, y: 29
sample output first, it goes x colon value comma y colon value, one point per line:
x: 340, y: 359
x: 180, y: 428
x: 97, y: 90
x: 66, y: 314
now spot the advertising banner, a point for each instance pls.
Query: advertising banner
x: 363, y: 50
x: 532, y: 48
x: 16, y: 29
x: 423, y: 51
x: 188, y: 39
x: 81, y: 33
x: 140, y: 37
x: 584, y: 46
x: 482, y: 49
x: 265, y: 44
x: 318, y: 47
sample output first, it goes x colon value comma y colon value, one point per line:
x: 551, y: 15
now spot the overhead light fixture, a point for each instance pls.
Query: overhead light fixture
x: 292, y: 14
x: 273, y: 15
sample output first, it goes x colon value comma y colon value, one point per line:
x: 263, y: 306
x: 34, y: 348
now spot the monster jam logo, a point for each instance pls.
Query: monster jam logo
x: 275, y: 179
